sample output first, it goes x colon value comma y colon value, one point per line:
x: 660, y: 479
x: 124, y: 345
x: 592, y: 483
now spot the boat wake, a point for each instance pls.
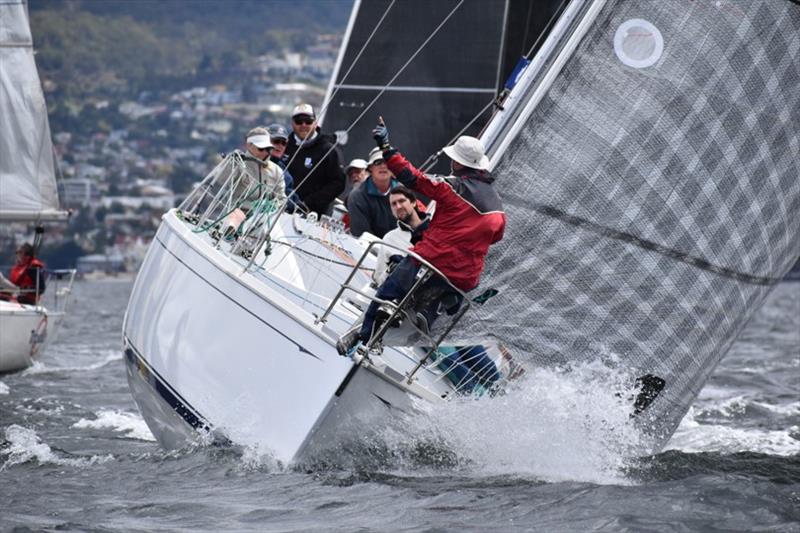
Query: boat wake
x: 23, y: 445
x: 693, y: 436
x: 131, y: 425
x: 40, y: 367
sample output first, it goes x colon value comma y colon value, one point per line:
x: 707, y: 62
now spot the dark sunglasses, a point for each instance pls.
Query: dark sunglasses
x: 279, y: 141
x: 265, y: 149
x: 303, y: 120
x: 377, y: 162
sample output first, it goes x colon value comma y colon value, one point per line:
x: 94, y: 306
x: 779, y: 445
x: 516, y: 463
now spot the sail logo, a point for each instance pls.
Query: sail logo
x: 638, y: 43
x: 308, y: 163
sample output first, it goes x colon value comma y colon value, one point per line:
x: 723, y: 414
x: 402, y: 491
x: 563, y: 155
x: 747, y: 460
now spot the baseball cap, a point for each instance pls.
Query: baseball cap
x: 303, y: 109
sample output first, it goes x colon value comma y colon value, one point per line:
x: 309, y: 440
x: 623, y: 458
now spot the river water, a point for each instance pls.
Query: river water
x: 76, y: 456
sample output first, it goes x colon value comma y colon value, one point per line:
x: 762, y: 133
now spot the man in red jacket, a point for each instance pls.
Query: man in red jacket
x: 27, y: 275
x: 469, y: 218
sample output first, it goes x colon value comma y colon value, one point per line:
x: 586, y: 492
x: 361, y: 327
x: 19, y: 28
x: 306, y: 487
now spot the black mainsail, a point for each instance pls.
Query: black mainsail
x: 447, y: 86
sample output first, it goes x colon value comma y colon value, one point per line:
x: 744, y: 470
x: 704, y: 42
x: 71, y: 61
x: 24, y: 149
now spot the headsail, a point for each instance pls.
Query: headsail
x: 27, y: 171
x: 653, y: 195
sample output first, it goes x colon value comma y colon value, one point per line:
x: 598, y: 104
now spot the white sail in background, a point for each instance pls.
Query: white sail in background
x: 27, y: 172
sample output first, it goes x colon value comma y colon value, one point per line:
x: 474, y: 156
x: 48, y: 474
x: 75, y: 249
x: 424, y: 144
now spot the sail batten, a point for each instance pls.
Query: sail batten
x: 27, y: 170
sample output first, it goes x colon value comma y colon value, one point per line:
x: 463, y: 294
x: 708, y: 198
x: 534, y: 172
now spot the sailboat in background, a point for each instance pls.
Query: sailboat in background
x: 647, y: 161
x: 27, y: 181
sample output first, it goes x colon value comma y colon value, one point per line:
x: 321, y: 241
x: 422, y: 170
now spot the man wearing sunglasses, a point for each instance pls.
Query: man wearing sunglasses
x: 268, y: 174
x: 262, y: 190
x: 314, y: 162
x: 279, y: 137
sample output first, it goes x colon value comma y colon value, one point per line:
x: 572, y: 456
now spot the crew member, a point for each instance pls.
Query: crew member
x: 26, y: 279
x: 368, y: 205
x: 469, y: 218
x: 314, y: 162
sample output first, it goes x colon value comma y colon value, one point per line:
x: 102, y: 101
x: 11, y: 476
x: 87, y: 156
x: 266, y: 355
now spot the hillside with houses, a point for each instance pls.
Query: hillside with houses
x: 143, y: 97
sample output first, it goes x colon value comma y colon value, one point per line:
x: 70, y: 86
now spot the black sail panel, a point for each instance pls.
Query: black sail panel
x: 446, y: 85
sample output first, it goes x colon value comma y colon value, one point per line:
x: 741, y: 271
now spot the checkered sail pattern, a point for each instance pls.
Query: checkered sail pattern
x: 651, y: 209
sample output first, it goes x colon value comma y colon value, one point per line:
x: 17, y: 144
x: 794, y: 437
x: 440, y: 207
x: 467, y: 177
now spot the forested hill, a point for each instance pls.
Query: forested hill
x: 117, y: 46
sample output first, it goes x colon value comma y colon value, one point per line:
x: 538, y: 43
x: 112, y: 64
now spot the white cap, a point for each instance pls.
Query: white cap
x: 375, y: 154
x: 468, y: 151
x: 260, y: 141
x: 356, y: 163
x: 303, y: 109
x: 259, y: 137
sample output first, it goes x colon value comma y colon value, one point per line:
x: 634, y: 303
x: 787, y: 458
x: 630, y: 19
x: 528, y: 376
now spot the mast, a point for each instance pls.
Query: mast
x: 537, y: 77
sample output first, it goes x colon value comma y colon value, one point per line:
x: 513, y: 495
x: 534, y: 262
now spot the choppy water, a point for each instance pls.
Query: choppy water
x: 75, y: 454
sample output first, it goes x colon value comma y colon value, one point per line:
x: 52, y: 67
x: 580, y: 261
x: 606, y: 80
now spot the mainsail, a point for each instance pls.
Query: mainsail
x: 27, y: 171
x: 653, y: 194
x: 448, y: 85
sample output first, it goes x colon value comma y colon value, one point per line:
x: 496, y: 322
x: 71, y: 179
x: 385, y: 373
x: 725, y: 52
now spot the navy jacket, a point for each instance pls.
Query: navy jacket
x: 370, y: 210
x: 319, y: 188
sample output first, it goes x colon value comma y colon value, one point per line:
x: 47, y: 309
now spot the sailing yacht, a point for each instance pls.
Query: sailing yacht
x: 646, y: 158
x: 27, y: 182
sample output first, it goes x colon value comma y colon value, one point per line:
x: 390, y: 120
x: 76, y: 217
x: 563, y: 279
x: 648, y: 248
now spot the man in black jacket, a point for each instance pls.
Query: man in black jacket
x: 314, y: 162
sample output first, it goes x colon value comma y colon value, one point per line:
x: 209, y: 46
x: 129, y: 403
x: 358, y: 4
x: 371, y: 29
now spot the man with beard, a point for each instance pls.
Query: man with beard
x: 411, y: 223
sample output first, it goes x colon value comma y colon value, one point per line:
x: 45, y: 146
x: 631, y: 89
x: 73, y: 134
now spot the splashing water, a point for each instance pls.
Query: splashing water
x: 555, y: 425
x: 693, y: 437
x: 131, y: 424
x: 24, y: 445
x: 4, y: 389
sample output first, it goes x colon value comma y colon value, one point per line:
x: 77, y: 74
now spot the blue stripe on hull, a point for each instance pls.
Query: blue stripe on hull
x: 137, y: 363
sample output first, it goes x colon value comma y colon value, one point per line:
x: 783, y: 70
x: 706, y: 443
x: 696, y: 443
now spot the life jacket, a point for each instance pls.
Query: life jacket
x: 25, y: 277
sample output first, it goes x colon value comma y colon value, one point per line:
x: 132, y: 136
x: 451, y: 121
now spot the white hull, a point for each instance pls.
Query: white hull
x: 209, y: 347
x: 23, y: 330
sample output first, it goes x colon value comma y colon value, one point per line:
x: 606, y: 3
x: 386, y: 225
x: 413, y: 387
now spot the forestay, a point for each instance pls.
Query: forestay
x: 27, y: 173
x: 653, y: 196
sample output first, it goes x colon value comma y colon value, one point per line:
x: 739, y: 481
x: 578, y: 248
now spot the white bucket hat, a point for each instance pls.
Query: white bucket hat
x: 468, y: 151
x: 375, y: 155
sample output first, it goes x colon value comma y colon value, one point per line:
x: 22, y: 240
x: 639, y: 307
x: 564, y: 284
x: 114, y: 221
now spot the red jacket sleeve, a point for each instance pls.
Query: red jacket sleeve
x: 413, y: 178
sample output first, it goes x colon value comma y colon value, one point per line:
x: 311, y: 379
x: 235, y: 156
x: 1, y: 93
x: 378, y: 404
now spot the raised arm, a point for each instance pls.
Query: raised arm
x: 405, y: 172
